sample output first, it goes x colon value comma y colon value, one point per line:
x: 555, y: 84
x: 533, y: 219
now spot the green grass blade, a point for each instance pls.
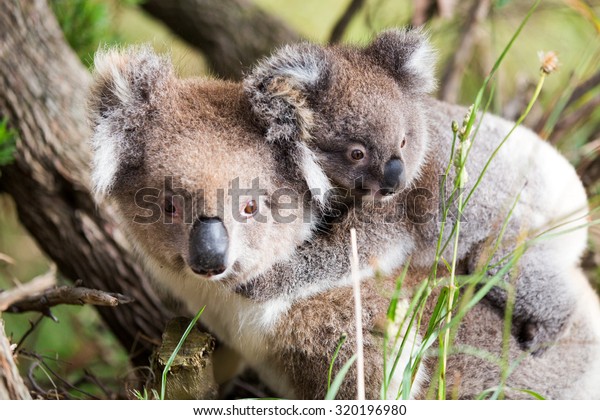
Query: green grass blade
x: 333, y: 359
x: 339, y: 378
x: 163, y: 385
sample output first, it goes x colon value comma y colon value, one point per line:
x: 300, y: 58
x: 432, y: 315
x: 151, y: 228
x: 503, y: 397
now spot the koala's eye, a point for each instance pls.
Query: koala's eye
x: 169, y: 206
x: 403, y: 142
x: 250, y: 208
x: 357, y: 154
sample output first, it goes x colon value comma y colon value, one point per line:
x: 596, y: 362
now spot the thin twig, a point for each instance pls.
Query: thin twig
x: 572, y: 119
x: 589, y: 166
x: 584, y: 87
x: 69, y: 295
x: 32, y: 327
x: 89, y: 376
x: 360, y: 362
x: 342, y: 24
x: 5, y: 259
x: 33, y: 287
x: 65, y: 383
x: 543, y: 126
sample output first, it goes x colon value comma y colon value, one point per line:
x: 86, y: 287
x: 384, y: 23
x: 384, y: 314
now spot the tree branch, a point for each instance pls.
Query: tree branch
x: 457, y: 65
x: 232, y: 34
x: 34, y: 287
x: 342, y: 24
x: 43, y: 89
x: 66, y: 295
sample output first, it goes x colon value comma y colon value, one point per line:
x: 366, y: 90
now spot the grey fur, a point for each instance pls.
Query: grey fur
x: 280, y: 100
x: 203, y: 135
x: 378, y: 103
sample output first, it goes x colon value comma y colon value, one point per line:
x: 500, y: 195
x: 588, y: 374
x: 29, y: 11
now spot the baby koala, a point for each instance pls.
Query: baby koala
x: 365, y: 116
x: 329, y: 101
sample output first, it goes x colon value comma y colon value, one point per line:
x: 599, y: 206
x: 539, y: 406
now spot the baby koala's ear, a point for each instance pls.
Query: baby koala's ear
x: 280, y: 86
x: 129, y: 86
x: 280, y: 89
x: 408, y: 56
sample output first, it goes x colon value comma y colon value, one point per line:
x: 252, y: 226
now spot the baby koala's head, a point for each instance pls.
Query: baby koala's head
x: 352, y: 118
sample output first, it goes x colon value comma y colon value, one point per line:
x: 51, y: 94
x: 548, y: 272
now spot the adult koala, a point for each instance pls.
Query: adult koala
x: 366, y: 117
x: 168, y: 154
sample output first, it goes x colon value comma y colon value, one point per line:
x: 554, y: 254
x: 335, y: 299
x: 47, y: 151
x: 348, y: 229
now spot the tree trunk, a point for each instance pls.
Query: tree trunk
x: 43, y: 89
x: 233, y: 34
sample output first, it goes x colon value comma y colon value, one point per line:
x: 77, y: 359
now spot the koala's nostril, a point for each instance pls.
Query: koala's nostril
x: 209, y: 244
x: 393, y: 171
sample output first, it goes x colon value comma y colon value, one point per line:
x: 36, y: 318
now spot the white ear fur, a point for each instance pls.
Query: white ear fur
x: 278, y: 87
x: 294, y: 62
x: 127, y: 82
x: 110, y: 66
x: 409, y: 57
x: 105, y: 162
x: 421, y: 65
x: 314, y: 175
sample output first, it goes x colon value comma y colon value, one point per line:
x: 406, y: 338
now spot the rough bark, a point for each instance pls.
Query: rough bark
x: 232, y: 34
x: 42, y: 93
x: 11, y: 383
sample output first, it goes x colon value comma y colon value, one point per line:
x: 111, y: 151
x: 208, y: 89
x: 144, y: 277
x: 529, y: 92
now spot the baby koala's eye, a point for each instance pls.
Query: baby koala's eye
x: 250, y: 209
x: 169, y: 206
x: 357, y: 154
x: 403, y: 142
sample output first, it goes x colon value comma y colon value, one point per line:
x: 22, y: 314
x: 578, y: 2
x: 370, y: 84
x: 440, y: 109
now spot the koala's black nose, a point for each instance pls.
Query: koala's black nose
x: 209, y: 244
x: 393, y: 172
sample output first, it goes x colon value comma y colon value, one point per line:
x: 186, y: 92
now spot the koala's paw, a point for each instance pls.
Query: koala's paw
x: 535, y: 336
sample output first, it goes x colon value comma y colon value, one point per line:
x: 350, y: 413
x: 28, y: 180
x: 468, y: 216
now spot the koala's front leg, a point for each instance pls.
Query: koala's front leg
x: 306, y: 339
x: 544, y: 296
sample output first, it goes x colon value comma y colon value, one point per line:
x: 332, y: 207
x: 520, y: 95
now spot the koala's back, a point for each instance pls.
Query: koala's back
x: 569, y: 369
x: 526, y: 170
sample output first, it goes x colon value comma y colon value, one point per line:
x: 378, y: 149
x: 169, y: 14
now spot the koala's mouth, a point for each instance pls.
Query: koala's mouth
x: 386, y: 195
x: 378, y: 194
x: 209, y: 273
x: 212, y: 275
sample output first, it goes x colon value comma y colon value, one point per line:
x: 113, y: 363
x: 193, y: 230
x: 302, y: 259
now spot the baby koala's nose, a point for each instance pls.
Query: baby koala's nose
x: 209, y: 244
x: 393, y: 172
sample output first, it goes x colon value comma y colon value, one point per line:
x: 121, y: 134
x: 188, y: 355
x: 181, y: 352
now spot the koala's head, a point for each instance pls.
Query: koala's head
x: 358, y: 110
x: 195, y: 185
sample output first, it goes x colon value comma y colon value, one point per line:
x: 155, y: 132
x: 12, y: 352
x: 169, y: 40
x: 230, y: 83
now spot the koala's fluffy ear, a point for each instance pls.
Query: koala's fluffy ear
x: 408, y: 56
x: 279, y: 89
x: 280, y: 85
x: 129, y: 84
